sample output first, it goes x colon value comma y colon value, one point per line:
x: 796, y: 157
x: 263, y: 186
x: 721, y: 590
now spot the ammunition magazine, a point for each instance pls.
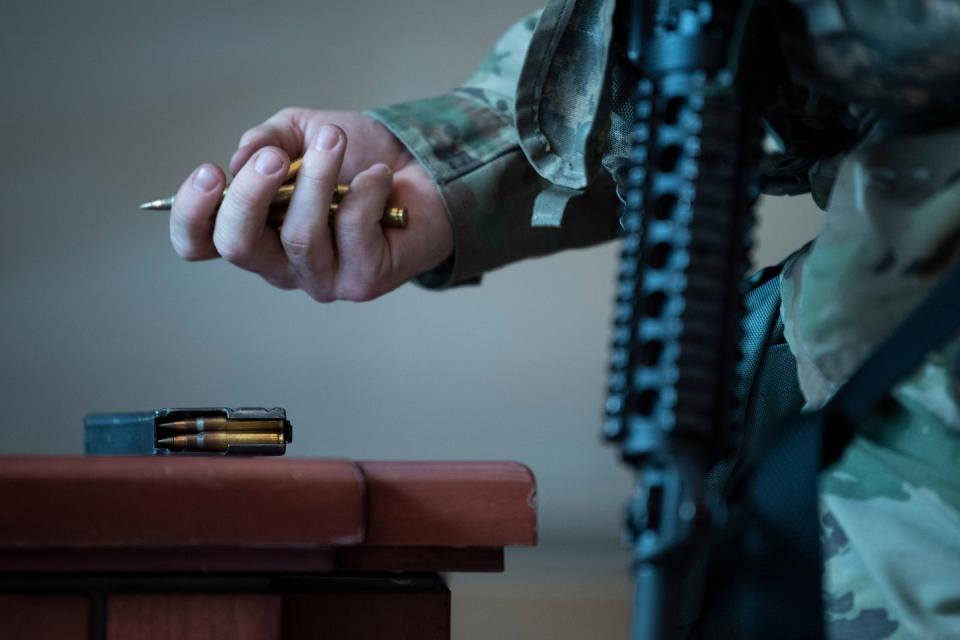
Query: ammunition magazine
x: 247, y: 431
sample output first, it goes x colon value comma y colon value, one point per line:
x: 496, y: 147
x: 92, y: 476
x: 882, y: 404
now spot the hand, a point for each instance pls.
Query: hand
x: 353, y: 258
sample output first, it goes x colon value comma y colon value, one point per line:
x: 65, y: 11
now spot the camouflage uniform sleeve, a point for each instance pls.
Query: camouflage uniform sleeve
x: 890, y: 508
x: 467, y: 141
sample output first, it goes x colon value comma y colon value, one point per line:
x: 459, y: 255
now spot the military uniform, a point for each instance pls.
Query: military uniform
x: 528, y: 155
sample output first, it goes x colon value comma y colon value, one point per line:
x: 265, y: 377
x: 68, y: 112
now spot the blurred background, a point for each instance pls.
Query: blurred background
x: 106, y: 105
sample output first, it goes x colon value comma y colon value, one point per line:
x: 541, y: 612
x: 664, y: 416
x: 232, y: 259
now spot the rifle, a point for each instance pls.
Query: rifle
x: 711, y: 72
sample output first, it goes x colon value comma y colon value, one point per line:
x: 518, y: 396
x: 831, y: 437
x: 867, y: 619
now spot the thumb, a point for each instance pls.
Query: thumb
x: 361, y: 245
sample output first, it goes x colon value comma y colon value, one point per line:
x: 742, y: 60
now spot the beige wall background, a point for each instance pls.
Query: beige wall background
x: 107, y: 104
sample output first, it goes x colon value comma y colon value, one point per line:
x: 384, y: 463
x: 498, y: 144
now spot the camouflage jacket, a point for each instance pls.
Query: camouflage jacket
x: 891, y: 506
x: 526, y: 167
x: 507, y: 186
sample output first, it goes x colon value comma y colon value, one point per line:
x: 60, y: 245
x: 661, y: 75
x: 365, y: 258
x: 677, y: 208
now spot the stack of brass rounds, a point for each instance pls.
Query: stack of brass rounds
x: 217, y: 434
x: 393, y: 217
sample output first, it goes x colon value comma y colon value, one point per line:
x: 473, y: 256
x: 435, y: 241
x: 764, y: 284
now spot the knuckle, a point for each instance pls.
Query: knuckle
x: 190, y: 244
x: 319, y: 293
x: 298, y: 116
x: 233, y: 248
x: 250, y: 135
x: 323, y: 297
x: 187, y: 252
x: 293, y: 115
x: 183, y: 251
x: 296, y: 243
x: 280, y: 283
x: 286, y: 113
x: 357, y: 290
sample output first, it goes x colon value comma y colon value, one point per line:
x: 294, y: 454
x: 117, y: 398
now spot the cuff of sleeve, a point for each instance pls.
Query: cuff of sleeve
x: 452, y: 135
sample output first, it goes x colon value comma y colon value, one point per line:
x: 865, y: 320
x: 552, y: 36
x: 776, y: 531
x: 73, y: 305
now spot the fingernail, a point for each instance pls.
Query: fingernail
x: 327, y: 138
x: 380, y: 168
x: 268, y: 162
x: 205, y: 179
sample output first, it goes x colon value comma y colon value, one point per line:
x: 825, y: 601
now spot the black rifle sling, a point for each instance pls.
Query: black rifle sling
x: 773, y: 587
x: 770, y: 395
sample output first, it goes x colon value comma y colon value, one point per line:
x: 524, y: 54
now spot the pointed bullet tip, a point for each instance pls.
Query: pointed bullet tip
x: 163, y: 204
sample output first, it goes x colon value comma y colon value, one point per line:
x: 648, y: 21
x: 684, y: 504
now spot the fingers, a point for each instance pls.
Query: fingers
x: 305, y: 233
x: 348, y: 258
x: 194, y: 208
x: 240, y: 233
x: 363, y: 251
x: 285, y: 129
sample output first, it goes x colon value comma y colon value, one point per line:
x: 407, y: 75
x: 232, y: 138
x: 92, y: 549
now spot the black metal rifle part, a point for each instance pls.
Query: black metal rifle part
x: 692, y: 183
x: 706, y: 80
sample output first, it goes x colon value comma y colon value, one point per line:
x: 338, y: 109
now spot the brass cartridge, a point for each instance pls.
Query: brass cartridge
x: 393, y: 217
x: 219, y: 441
x: 219, y: 423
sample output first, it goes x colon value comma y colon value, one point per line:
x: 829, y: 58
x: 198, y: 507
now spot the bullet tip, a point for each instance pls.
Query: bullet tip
x: 157, y: 205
